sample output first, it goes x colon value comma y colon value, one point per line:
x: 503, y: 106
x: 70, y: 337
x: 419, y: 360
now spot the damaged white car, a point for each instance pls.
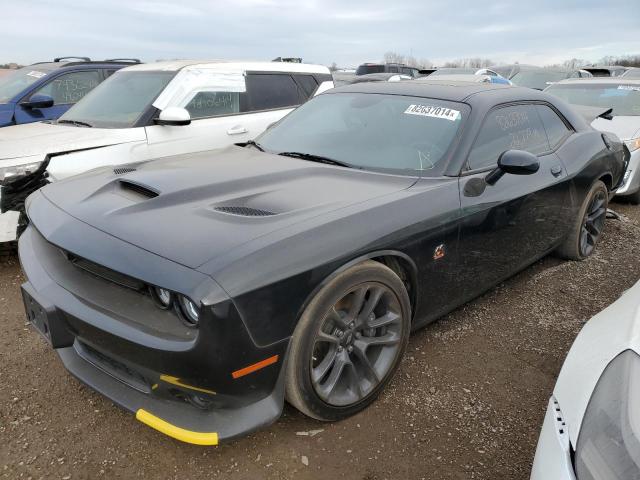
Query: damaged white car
x: 150, y: 111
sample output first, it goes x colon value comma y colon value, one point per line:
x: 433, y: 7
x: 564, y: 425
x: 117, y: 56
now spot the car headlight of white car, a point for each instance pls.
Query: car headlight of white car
x: 609, y: 439
x: 633, y: 144
x: 18, y: 170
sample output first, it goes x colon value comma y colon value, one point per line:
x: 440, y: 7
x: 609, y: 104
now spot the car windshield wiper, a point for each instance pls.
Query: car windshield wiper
x: 316, y: 158
x: 77, y: 123
x: 253, y: 144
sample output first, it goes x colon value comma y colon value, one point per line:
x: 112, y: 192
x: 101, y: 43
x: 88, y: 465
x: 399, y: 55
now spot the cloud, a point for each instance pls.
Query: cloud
x: 322, y: 31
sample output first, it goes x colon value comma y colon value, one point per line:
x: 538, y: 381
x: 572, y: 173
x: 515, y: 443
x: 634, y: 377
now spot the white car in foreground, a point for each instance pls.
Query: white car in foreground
x: 150, y: 111
x: 591, y: 430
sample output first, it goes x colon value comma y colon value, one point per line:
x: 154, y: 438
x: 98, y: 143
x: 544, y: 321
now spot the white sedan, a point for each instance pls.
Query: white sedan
x: 150, y: 111
x: 591, y: 430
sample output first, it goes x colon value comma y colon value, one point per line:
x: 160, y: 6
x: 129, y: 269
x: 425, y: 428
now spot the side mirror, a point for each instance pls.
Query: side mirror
x: 515, y: 162
x: 38, y: 101
x: 173, y: 116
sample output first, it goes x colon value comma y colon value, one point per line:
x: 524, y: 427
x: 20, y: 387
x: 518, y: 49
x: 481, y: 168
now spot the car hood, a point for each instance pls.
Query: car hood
x: 192, y: 208
x: 43, y: 138
x: 624, y: 127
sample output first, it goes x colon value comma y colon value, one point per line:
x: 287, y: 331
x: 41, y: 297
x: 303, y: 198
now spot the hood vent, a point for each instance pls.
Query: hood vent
x: 243, y: 211
x: 141, y: 190
x: 123, y: 170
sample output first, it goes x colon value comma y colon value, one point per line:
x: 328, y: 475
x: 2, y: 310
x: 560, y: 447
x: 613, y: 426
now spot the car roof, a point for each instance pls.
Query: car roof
x: 88, y: 63
x: 599, y: 80
x: 453, y: 90
x: 230, y: 66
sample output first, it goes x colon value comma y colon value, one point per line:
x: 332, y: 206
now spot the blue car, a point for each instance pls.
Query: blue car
x: 44, y: 91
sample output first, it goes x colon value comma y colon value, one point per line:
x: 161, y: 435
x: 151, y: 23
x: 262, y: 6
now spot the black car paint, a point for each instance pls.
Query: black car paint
x: 253, y: 276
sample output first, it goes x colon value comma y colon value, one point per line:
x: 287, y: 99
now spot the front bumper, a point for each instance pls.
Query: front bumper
x: 195, y: 385
x: 632, y: 174
x: 553, y: 454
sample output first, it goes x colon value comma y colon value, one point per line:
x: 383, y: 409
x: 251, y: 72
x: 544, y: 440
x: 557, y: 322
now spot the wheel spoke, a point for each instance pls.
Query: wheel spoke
x: 357, y: 300
x: 325, y: 337
x: 321, y: 370
x: 374, y: 297
x: 386, y: 319
x: 340, y: 362
x: 361, y: 354
x: 390, y: 338
x: 596, y: 214
x: 336, y: 318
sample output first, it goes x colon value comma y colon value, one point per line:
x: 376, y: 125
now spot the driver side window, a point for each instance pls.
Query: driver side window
x: 71, y: 87
x: 516, y: 127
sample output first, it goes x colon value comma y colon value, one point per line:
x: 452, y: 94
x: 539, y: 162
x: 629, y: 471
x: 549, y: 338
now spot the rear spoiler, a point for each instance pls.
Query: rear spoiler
x: 591, y: 113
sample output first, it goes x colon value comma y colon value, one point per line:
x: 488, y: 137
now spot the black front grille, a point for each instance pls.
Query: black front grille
x: 112, y: 367
x: 244, y: 211
x: 105, y: 273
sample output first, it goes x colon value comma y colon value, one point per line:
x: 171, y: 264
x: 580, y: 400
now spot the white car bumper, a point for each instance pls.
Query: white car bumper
x: 553, y: 455
x: 632, y: 176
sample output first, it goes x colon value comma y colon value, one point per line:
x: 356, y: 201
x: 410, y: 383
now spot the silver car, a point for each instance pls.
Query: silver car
x: 623, y: 96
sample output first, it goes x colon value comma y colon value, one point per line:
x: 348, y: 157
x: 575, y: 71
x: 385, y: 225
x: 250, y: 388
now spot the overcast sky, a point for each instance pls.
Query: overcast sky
x: 346, y: 32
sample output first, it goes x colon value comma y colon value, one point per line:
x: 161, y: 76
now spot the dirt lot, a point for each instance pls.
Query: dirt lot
x: 467, y: 402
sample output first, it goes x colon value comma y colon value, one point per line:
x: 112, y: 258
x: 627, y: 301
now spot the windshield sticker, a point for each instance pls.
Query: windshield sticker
x: 431, y: 111
x: 36, y: 74
x: 629, y: 87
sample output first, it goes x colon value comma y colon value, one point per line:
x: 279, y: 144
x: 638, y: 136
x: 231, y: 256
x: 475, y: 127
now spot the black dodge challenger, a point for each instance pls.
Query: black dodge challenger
x: 201, y: 291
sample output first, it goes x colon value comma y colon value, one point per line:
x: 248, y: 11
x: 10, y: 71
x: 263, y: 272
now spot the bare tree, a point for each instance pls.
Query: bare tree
x: 393, y: 57
x: 574, y: 63
x: 333, y: 67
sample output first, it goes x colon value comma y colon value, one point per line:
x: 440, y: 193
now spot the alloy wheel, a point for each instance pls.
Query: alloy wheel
x: 593, y: 223
x: 357, y: 344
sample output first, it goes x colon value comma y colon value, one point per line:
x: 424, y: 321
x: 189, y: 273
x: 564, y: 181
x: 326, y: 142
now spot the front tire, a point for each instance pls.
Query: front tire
x: 588, y: 226
x: 348, y: 343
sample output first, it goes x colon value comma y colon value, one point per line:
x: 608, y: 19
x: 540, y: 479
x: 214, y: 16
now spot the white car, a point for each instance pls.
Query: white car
x: 151, y: 111
x: 623, y: 96
x: 591, y: 430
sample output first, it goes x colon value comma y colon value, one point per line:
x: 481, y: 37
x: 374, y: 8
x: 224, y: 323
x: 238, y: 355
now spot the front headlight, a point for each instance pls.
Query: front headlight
x: 18, y: 170
x: 189, y: 309
x: 633, y: 144
x: 609, y: 440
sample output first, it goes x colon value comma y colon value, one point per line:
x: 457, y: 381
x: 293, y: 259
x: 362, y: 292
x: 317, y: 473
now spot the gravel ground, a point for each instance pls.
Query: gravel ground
x: 467, y: 402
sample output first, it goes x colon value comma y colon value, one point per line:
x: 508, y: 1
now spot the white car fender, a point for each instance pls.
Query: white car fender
x: 606, y: 335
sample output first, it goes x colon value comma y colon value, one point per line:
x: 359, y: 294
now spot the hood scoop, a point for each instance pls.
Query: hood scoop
x: 123, y: 170
x: 137, y: 189
x: 242, y: 211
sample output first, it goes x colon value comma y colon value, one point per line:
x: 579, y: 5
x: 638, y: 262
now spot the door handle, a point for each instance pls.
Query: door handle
x: 237, y: 130
x: 556, y: 170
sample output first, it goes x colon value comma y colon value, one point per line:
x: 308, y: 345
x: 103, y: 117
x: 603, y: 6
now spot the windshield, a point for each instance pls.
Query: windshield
x: 624, y: 99
x: 16, y: 81
x: 538, y: 79
x: 119, y: 101
x: 370, y: 131
x: 632, y: 73
x: 365, y: 69
x: 454, y: 71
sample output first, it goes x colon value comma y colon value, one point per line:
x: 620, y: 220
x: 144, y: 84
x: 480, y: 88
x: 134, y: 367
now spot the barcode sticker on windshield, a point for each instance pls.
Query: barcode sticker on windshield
x: 431, y: 111
x: 629, y: 87
x: 36, y: 74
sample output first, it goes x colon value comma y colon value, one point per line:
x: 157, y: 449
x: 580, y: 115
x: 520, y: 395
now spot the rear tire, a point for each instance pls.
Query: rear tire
x: 348, y: 343
x: 588, y: 225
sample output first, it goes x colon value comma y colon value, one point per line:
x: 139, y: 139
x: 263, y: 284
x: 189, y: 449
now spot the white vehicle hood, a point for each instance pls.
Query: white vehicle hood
x: 625, y: 128
x: 605, y: 336
x: 41, y: 138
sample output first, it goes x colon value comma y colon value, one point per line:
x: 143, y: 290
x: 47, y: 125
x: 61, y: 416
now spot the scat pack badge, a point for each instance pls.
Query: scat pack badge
x: 439, y: 252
